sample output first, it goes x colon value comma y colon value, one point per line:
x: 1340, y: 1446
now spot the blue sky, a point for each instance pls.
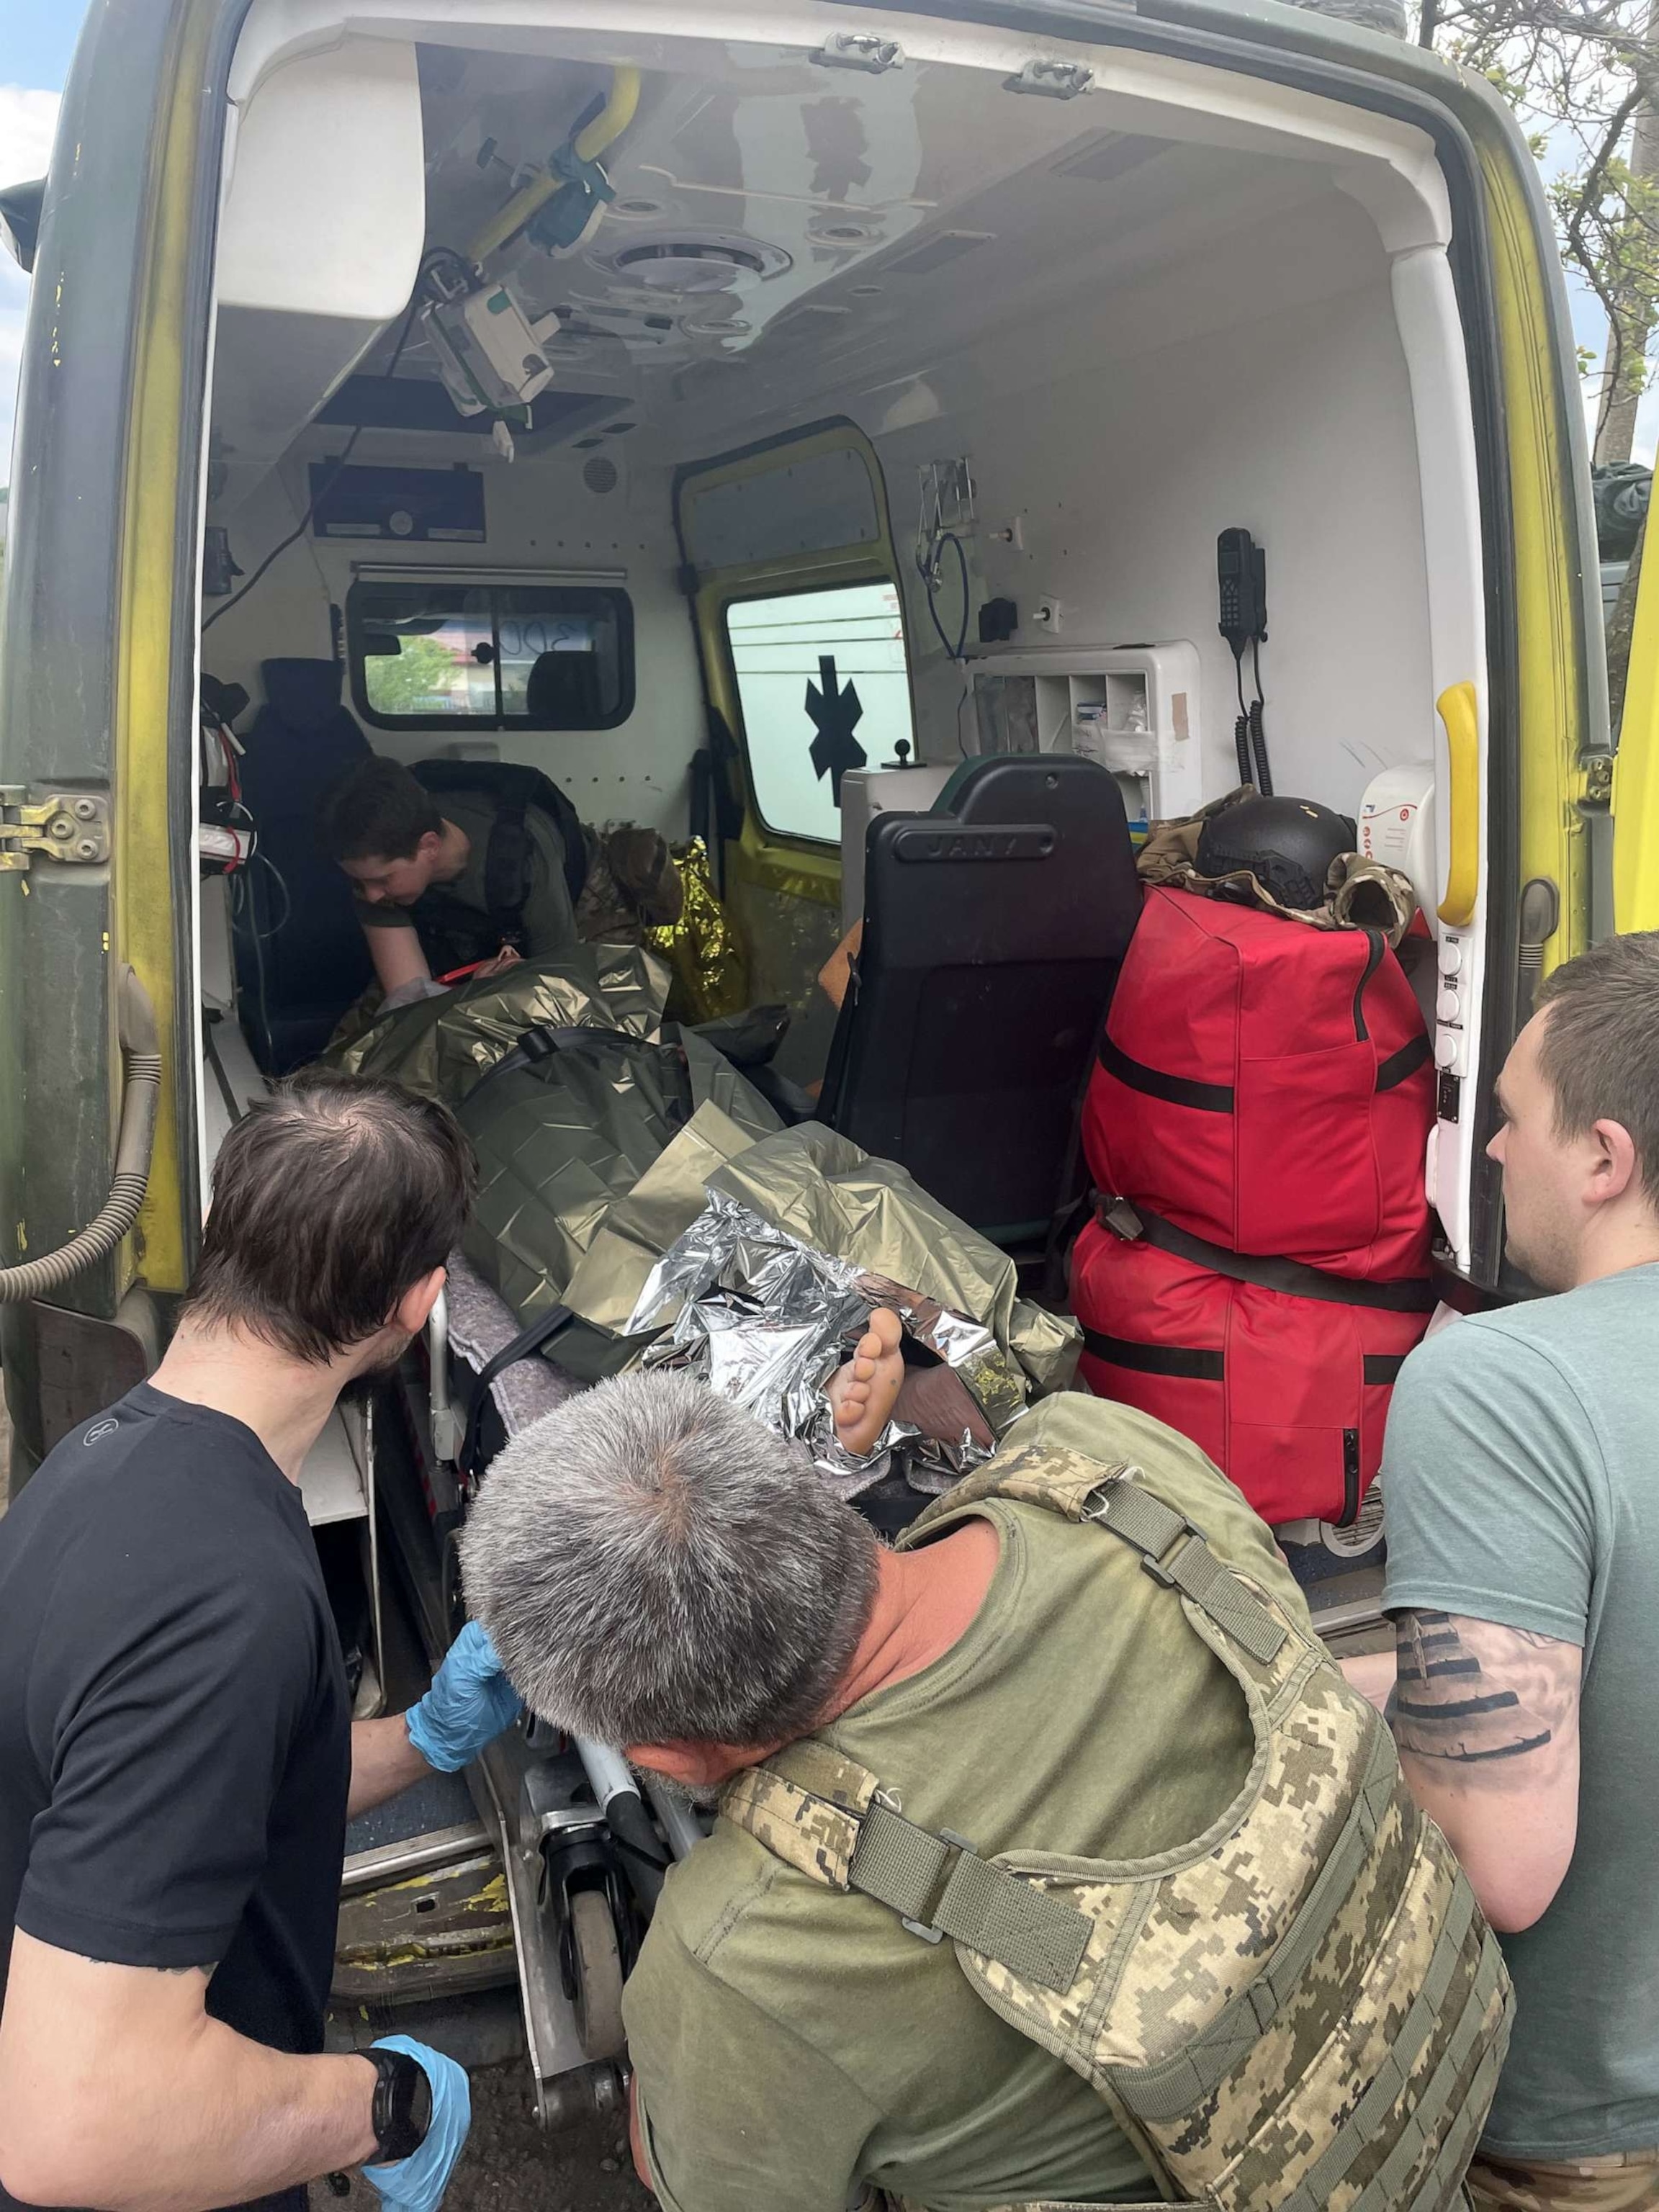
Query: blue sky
x: 40, y: 44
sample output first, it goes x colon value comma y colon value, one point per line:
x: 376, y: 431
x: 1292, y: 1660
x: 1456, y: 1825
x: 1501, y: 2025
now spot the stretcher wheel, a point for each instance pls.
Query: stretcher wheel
x: 596, y: 1959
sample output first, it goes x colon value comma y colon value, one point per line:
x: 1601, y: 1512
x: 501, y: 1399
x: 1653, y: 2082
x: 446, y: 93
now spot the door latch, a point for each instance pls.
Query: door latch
x: 859, y: 50
x: 69, y: 826
x: 1053, y: 80
x: 1596, y: 781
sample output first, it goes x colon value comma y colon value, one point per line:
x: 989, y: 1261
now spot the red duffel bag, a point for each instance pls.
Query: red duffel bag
x: 1258, y: 1266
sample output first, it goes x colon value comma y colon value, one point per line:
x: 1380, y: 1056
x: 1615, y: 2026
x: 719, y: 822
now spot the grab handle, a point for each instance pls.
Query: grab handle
x: 1460, y: 715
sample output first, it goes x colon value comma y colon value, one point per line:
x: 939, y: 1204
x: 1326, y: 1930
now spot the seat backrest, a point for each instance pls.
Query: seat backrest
x: 993, y: 928
x: 562, y: 690
x: 301, y: 957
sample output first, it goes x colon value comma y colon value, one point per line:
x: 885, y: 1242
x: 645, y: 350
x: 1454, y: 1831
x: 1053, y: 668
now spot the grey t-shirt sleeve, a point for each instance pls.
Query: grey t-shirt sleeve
x: 1491, y: 1468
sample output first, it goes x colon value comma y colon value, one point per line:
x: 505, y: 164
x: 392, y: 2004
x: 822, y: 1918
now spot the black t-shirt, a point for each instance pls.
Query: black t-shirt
x: 175, y: 1744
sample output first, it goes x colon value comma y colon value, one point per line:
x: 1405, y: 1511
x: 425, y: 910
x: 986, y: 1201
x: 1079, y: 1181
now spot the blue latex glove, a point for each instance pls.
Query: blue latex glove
x: 469, y: 1703
x: 418, y: 2183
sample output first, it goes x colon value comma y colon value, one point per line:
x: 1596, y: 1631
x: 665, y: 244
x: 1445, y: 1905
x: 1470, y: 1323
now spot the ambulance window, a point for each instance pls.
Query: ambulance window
x: 431, y: 656
x: 823, y: 685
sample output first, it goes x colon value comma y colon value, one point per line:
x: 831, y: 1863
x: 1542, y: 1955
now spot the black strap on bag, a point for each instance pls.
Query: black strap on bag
x: 1293, y: 1278
x: 1219, y: 1098
x: 526, y: 1345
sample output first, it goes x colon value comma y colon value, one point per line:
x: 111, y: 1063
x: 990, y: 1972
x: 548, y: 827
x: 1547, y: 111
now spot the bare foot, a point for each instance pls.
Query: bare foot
x: 863, y: 1391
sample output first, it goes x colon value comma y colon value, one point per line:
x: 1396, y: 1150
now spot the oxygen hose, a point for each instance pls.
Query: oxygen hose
x: 141, y: 1096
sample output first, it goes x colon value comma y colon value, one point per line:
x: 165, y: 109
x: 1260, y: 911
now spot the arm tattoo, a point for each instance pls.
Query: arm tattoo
x: 1479, y: 1697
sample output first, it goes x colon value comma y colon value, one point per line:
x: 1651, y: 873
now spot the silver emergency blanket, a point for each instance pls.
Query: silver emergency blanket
x: 766, y: 1314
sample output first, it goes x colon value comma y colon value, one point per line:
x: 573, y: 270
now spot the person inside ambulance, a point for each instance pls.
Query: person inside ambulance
x: 462, y: 867
x: 1050, y: 1663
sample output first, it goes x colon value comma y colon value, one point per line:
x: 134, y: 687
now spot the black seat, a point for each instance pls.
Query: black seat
x: 301, y: 957
x: 993, y: 930
x: 563, y: 692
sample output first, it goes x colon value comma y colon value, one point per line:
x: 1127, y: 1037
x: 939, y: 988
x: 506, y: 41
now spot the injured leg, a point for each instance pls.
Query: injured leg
x: 875, y: 1384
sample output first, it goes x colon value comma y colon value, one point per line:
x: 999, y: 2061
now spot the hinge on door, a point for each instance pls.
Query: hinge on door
x: 1054, y: 80
x: 1596, y: 782
x: 859, y: 50
x: 69, y: 826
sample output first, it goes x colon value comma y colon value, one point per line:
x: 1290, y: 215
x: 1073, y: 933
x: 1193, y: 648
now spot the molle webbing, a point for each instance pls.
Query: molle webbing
x: 1175, y: 1554
x: 822, y: 1815
x: 1383, y: 2191
x: 1163, y: 2093
x: 939, y: 1885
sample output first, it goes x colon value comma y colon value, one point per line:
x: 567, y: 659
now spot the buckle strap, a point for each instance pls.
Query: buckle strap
x: 939, y: 1885
x: 1175, y: 1554
x: 1293, y: 1279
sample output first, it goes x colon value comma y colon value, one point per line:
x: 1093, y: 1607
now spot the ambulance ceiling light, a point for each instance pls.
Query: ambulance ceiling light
x: 841, y: 230
x: 680, y: 265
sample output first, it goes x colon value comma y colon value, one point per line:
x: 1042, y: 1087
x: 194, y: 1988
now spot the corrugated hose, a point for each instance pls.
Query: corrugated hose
x: 141, y: 1096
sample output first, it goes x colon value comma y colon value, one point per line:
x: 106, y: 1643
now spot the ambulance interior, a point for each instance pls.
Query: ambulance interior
x: 893, y: 355
x: 913, y: 356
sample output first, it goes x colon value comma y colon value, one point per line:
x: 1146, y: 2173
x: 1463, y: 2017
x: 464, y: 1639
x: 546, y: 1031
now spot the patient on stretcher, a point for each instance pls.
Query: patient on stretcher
x: 876, y: 1385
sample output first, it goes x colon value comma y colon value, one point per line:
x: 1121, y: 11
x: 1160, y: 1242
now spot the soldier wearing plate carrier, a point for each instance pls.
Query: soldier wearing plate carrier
x: 1057, y: 1865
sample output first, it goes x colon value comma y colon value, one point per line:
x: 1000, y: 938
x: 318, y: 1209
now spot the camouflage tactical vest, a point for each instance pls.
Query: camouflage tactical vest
x: 1303, y: 2008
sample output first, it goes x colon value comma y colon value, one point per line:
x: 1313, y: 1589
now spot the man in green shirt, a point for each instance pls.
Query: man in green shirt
x: 428, y: 895
x: 1523, y: 1495
x: 667, y: 1575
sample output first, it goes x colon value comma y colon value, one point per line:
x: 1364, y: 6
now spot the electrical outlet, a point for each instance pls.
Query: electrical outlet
x: 1046, y: 615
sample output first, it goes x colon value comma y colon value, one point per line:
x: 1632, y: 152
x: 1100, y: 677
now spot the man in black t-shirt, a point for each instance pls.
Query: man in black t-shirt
x: 177, y: 1757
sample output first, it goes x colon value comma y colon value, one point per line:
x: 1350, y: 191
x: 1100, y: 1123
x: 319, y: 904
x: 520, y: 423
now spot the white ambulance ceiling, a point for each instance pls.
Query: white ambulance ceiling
x: 819, y: 224
x: 786, y: 236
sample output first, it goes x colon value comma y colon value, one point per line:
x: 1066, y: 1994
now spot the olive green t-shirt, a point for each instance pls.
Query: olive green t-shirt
x: 549, y: 924
x: 792, y: 2042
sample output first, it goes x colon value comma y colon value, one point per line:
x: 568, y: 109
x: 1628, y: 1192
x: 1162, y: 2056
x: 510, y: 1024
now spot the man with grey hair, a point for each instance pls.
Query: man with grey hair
x: 1523, y: 1578
x: 659, y: 1570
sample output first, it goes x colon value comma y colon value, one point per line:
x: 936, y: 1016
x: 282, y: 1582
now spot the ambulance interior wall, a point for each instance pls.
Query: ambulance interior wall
x: 1259, y: 381
x: 541, y: 519
x: 1262, y: 384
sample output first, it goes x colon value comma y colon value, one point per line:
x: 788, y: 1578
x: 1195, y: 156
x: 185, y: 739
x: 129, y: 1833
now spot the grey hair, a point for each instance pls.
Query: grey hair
x: 654, y: 1566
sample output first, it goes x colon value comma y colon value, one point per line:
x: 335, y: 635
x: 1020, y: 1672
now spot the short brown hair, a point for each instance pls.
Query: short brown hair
x: 331, y: 1200
x: 376, y: 812
x: 1600, y: 1048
